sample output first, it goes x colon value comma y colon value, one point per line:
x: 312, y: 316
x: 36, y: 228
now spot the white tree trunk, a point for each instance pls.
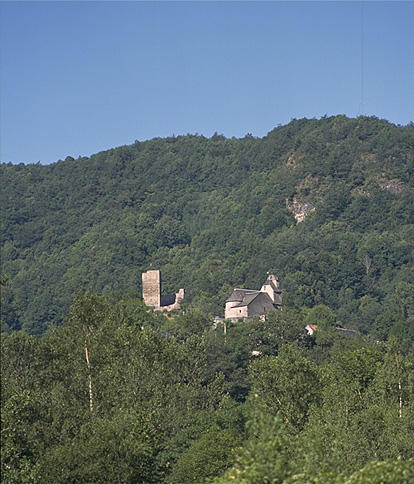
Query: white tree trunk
x: 89, y: 377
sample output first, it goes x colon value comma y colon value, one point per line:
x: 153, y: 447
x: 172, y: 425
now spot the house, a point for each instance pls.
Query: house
x: 249, y: 303
x: 311, y: 328
x: 151, y: 293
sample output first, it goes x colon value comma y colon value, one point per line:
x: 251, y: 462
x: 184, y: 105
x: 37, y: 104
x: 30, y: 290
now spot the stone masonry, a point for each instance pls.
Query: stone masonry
x: 151, y: 293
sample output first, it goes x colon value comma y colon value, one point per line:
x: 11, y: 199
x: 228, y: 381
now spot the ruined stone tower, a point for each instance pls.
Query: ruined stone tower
x: 151, y: 288
x: 151, y: 293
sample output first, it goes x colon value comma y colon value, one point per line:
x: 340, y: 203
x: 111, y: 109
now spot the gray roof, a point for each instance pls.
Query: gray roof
x: 240, y: 294
x: 348, y: 332
x: 245, y: 296
x: 248, y: 298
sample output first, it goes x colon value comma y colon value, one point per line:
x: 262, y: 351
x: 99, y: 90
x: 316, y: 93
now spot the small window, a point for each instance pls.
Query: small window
x: 240, y: 310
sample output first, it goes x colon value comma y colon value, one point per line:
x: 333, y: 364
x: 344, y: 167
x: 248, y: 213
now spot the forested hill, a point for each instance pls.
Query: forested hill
x: 213, y: 213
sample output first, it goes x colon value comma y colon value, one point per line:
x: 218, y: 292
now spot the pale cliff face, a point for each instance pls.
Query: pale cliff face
x: 299, y: 209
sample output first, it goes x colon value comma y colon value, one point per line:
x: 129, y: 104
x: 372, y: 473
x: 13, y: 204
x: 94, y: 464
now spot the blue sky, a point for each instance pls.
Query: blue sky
x: 81, y: 77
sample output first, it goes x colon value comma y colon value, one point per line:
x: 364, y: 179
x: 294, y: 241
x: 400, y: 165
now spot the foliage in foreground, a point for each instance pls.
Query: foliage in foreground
x: 112, y: 396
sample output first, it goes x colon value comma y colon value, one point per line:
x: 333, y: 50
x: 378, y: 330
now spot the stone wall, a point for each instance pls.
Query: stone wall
x: 151, y: 288
x: 179, y: 296
x: 235, y: 313
x: 151, y: 293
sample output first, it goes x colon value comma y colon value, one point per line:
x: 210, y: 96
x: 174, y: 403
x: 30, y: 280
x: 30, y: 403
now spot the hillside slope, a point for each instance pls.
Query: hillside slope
x: 326, y: 204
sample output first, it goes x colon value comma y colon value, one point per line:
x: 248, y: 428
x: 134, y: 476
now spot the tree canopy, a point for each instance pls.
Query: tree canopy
x: 98, y: 388
x: 215, y: 213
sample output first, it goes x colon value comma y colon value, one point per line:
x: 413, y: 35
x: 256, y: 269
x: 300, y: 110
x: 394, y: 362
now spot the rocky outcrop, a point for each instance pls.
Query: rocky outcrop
x: 394, y: 186
x: 300, y: 209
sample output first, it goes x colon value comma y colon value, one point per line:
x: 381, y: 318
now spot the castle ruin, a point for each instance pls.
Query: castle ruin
x: 151, y: 293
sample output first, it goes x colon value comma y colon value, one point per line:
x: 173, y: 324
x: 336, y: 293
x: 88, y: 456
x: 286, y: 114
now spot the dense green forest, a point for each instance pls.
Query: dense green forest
x: 217, y: 213
x: 122, y: 395
x: 97, y: 389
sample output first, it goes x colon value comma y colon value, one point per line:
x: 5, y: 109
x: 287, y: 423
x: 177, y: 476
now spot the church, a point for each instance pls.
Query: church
x: 248, y: 303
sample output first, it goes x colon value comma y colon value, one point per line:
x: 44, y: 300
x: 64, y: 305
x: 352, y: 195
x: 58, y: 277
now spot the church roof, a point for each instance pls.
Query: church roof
x: 240, y: 294
x: 248, y: 298
x: 245, y: 296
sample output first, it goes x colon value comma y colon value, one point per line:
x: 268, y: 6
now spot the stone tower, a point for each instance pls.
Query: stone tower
x: 271, y: 287
x: 151, y: 288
